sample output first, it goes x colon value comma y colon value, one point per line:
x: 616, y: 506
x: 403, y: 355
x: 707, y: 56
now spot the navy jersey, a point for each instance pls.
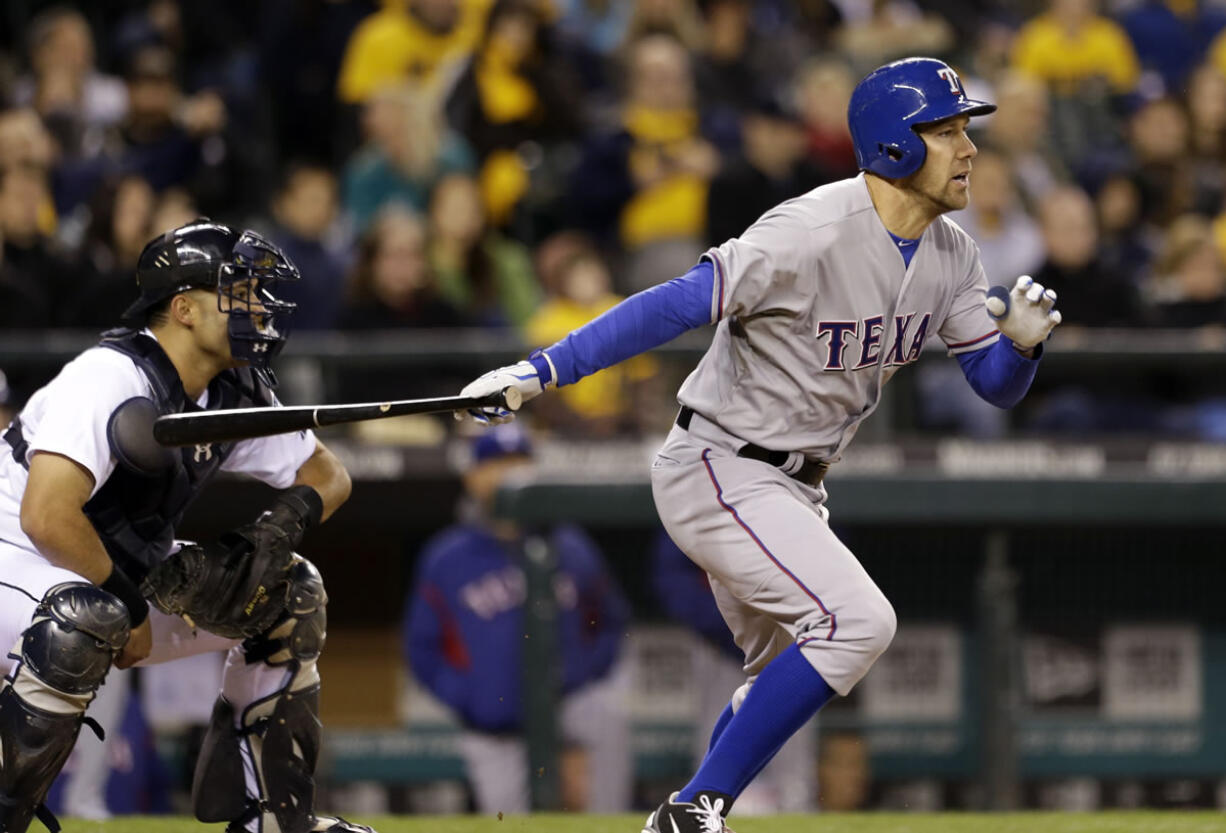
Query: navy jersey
x: 463, y: 630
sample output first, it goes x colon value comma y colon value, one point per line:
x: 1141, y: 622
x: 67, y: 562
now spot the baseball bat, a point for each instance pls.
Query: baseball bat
x: 245, y: 423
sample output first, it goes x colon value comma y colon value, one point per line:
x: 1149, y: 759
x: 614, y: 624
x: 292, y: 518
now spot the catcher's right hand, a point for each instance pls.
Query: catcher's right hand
x: 523, y: 376
x: 237, y: 588
x: 1024, y: 315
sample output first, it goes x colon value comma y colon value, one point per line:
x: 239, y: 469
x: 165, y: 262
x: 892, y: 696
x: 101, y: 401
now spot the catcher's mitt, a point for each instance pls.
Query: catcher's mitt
x: 236, y: 588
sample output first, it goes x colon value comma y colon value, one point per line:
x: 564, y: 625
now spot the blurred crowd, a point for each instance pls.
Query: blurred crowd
x: 523, y: 164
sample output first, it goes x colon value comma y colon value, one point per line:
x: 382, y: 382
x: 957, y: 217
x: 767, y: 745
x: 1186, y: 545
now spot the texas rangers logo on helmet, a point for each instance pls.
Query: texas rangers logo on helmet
x: 955, y: 86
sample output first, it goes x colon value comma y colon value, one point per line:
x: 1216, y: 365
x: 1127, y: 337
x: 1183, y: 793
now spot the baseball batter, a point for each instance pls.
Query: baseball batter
x: 90, y: 573
x: 817, y: 304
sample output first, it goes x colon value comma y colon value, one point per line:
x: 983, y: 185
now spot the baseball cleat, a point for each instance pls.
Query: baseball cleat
x: 324, y: 824
x: 704, y: 815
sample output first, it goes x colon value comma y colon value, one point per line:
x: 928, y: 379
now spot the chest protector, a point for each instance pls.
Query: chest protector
x: 137, y: 509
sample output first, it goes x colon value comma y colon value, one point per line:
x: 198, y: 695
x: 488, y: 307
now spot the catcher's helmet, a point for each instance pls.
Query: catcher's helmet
x: 891, y: 101
x: 205, y: 255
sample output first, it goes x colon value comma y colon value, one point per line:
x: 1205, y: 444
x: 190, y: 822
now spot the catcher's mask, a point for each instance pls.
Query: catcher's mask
x: 243, y: 268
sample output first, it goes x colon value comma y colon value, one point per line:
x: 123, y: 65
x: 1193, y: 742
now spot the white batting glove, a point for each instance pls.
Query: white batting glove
x: 1024, y: 314
x: 521, y: 376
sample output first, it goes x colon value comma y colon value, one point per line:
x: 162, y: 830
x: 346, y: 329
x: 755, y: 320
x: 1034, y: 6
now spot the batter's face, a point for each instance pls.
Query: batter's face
x: 944, y: 181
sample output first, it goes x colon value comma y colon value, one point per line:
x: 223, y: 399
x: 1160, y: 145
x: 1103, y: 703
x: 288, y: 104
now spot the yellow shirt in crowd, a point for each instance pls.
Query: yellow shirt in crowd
x: 391, y: 46
x: 1049, y: 52
x: 603, y: 394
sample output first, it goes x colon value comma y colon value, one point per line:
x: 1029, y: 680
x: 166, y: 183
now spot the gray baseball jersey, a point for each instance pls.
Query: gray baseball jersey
x: 816, y: 312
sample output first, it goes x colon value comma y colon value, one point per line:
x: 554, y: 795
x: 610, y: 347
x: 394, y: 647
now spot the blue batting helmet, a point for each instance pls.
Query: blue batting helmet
x: 891, y: 101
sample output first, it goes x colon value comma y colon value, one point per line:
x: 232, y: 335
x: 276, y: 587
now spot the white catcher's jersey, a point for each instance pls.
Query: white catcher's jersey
x: 816, y: 312
x: 69, y: 417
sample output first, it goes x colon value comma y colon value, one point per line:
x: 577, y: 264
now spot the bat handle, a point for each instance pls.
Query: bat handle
x: 513, y: 398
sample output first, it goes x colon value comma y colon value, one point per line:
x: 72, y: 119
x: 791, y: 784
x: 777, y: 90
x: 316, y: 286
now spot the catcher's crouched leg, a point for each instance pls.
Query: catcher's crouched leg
x: 278, y: 735
x: 66, y: 652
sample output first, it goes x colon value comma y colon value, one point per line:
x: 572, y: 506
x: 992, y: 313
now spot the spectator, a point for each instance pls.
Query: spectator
x: 893, y: 29
x: 514, y: 103
x: 35, y: 273
x: 24, y: 141
x: 408, y: 148
x: 392, y: 284
x: 1126, y: 245
x: 1090, y: 296
x: 594, y: 27
x: 1010, y: 243
x: 486, y: 276
x: 418, y: 41
x: 1171, y: 38
x: 1159, y: 139
x: 119, y: 226
x: 1206, y: 103
x: 607, y: 402
x: 24, y: 302
x: 163, y: 132
x: 771, y: 167
x: 64, y: 84
x: 301, y: 46
x: 796, y: 31
x: 304, y: 210
x: 1086, y: 60
x: 174, y: 208
x: 679, y: 19
x: 1020, y: 131
x: 1188, y: 288
x: 464, y: 637
x: 1071, y: 46
x: 649, y: 179
x: 733, y: 69
x: 823, y: 92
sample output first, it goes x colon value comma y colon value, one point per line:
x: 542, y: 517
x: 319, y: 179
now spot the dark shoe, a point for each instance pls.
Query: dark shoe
x: 703, y: 815
x: 325, y: 824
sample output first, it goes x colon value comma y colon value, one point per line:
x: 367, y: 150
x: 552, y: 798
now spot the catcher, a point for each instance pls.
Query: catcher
x: 90, y: 573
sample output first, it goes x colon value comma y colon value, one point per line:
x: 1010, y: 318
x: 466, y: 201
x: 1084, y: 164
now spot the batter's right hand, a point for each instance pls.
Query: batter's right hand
x: 522, y: 376
x: 139, y: 645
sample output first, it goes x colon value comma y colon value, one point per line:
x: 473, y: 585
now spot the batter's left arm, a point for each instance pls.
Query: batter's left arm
x: 1002, y: 373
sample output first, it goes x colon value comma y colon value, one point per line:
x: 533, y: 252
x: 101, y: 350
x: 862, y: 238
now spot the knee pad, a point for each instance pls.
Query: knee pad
x: 299, y: 635
x: 77, y: 630
x: 65, y: 655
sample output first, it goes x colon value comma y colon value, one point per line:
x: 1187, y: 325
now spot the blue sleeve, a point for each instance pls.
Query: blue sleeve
x: 604, y: 609
x: 639, y: 323
x: 433, y: 646
x: 999, y: 374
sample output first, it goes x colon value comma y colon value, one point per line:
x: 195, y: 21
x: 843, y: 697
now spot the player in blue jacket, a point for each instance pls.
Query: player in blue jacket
x: 816, y: 306
x: 464, y: 635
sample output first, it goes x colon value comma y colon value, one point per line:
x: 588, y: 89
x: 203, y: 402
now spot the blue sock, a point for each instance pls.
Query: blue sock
x: 787, y: 693
x: 720, y: 725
